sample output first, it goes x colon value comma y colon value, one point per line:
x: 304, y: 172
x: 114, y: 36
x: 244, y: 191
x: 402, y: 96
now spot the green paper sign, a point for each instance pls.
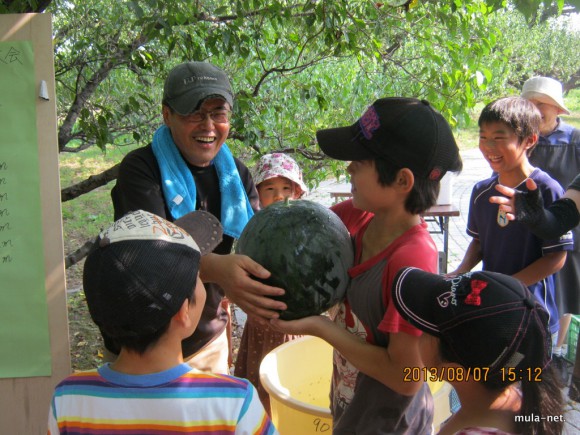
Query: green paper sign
x: 24, y: 333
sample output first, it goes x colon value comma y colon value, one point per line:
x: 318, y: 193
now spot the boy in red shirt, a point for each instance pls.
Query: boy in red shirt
x: 399, y: 151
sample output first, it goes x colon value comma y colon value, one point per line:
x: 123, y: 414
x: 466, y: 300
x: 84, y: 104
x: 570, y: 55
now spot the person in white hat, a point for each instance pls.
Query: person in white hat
x: 546, y: 94
x: 558, y: 154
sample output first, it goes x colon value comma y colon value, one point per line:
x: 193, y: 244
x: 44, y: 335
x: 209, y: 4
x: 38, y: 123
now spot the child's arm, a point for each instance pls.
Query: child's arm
x: 541, y: 268
x: 386, y: 365
x: 253, y: 419
x: 471, y: 258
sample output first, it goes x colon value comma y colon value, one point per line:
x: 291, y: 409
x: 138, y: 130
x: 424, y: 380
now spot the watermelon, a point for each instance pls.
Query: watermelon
x: 308, y: 251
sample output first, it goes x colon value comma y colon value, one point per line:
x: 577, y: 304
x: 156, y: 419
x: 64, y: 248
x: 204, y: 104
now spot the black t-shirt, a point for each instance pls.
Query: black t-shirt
x: 139, y: 187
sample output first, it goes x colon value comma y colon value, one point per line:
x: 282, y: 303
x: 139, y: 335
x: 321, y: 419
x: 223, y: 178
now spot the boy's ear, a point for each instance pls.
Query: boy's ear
x: 165, y: 112
x: 182, y: 316
x: 530, y: 141
x: 405, y: 179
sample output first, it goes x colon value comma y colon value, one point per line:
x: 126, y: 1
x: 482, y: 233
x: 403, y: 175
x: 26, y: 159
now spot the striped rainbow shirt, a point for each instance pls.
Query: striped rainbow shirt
x: 178, y: 401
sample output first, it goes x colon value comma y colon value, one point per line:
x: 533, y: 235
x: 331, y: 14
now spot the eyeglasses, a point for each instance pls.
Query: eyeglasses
x: 220, y: 116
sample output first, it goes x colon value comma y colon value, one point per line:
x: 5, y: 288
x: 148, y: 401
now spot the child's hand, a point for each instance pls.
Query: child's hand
x: 313, y: 325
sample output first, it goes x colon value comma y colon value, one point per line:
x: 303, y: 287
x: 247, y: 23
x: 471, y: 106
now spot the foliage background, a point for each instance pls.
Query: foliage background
x: 296, y: 66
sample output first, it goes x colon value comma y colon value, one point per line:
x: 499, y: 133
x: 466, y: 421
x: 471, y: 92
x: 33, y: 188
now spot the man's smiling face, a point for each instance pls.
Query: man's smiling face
x: 198, y: 141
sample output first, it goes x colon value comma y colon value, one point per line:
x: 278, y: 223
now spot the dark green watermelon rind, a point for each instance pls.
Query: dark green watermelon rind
x: 321, y: 258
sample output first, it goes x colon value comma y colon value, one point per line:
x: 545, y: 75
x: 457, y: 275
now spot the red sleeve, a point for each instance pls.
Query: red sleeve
x: 421, y: 253
x: 353, y: 218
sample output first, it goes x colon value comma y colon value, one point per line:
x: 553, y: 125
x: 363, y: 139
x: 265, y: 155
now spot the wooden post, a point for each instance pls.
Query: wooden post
x: 24, y: 401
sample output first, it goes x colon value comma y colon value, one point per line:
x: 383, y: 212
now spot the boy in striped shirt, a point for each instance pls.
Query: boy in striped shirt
x: 142, y: 285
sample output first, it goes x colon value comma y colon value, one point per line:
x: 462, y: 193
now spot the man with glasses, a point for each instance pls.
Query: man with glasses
x: 189, y: 167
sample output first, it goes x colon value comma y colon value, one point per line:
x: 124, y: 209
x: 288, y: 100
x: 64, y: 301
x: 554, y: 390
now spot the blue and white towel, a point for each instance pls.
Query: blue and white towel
x: 179, y: 186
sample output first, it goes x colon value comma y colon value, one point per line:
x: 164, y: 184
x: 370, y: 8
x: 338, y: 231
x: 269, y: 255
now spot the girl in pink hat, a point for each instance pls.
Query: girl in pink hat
x: 278, y: 177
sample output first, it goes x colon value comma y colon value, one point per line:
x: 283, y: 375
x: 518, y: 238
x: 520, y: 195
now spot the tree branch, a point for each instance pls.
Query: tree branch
x: 573, y: 82
x: 89, y: 184
x: 76, y: 256
x: 120, y: 55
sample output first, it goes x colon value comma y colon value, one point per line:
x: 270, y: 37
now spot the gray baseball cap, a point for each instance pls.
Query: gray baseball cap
x: 188, y: 84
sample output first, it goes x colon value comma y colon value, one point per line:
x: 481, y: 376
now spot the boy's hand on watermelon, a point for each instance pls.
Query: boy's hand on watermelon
x: 234, y: 274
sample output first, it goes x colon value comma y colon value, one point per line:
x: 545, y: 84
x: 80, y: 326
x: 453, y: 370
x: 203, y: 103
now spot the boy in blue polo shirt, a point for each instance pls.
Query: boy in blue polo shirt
x: 509, y: 130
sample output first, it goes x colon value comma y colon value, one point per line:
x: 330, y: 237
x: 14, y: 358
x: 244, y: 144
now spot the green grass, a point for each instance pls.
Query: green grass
x: 572, y: 100
x: 467, y: 137
x: 90, y: 211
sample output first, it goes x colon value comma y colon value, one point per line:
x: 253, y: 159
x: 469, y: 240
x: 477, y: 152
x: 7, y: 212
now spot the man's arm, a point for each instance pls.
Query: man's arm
x: 249, y: 185
x: 234, y: 274
x: 386, y: 365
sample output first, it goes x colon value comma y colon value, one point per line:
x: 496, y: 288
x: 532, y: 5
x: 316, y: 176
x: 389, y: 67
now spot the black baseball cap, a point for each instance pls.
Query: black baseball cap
x: 405, y: 131
x: 142, y: 268
x: 188, y: 84
x: 483, y: 319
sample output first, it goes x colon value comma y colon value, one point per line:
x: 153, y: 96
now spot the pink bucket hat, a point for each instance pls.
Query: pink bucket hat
x: 279, y: 165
